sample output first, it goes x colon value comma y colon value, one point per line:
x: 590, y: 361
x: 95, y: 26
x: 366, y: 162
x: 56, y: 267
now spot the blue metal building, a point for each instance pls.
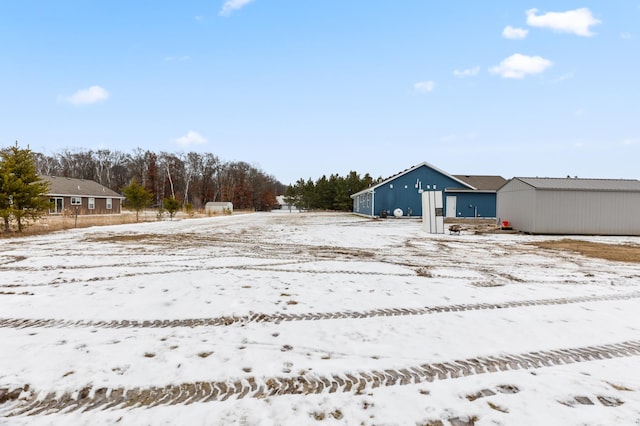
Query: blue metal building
x: 464, y: 195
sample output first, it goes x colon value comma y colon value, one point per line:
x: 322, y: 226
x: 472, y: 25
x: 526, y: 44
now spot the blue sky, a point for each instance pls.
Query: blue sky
x: 306, y: 88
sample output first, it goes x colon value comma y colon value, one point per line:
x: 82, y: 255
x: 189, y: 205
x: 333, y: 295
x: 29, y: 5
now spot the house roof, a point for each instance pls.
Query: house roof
x: 576, y: 184
x: 62, y: 186
x: 483, y: 183
x: 464, y: 184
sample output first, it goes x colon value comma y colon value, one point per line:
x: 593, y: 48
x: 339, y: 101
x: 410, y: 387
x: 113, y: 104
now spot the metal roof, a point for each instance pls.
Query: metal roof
x: 483, y: 183
x: 579, y: 184
x: 62, y: 186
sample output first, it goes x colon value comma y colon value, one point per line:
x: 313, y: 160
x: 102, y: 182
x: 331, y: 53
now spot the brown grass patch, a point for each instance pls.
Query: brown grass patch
x: 619, y: 253
x: 620, y: 387
x: 497, y: 407
x: 340, y: 252
x: 54, y: 223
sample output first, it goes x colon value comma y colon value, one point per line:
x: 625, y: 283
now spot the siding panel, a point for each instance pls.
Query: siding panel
x: 515, y: 203
x: 588, y: 212
x: 577, y: 211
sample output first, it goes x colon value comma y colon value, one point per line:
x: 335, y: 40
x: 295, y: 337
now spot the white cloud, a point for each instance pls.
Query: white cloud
x: 578, y: 21
x: 626, y: 35
x: 425, y: 86
x: 514, y: 33
x: 467, y: 73
x: 230, y: 5
x: 628, y: 142
x: 87, y: 96
x: 519, y: 66
x: 191, y: 138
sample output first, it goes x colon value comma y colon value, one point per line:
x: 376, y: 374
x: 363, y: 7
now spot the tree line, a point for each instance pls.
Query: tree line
x: 196, y: 178
x: 191, y: 178
x: 164, y: 181
x: 333, y: 193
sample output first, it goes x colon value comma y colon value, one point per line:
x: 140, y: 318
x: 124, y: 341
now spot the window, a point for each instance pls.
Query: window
x: 109, y: 203
x: 92, y: 203
x: 76, y: 201
x: 57, y: 204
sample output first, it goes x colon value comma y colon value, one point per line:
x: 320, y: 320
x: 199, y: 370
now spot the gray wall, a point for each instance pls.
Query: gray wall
x: 587, y: 212
x: 515, y: 202
x: 577, y: 212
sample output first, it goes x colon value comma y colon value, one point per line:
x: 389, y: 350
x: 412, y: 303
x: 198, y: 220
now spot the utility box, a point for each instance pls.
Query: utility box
x: 432, y: 212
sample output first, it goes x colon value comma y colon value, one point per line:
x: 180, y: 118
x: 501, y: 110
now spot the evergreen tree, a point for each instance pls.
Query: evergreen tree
x: 309, y: 195
x: 6, y: 198
x: 137, y: 197
x: 324, y: 194
x: 342, y: 198
x: 293, y: 194
x: 21, y: 189
x: 171, y: 205
x: 333, y: 193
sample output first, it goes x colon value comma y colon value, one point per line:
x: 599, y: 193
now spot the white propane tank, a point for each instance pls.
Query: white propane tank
x: 398, y: 213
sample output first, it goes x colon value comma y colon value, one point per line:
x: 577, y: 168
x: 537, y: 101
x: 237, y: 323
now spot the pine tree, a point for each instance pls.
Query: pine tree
x: 137, y: 197
x: 21, y: 188
x: 171, y: 205
x: 6, y: 199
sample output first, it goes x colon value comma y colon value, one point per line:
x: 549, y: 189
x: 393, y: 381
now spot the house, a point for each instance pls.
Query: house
x: 214, y: 207
x: 81, y: 196
x: 571, y: 206
x: 283, y: 205
x: 464, y: 195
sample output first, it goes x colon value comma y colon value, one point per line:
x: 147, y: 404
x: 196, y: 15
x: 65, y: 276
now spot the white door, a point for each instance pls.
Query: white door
x: 451, y: 206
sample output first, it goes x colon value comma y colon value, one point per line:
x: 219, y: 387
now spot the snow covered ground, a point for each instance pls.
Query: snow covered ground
x: 304, y: 318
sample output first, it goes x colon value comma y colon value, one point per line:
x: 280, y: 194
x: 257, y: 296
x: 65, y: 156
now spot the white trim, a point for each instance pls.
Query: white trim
x: 470, y: 191
x: 394, y: 177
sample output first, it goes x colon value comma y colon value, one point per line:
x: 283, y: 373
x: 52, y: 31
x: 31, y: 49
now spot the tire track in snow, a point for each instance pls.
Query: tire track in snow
x: 24, y: 401
x: 169, y: 268
x: 280, y: 317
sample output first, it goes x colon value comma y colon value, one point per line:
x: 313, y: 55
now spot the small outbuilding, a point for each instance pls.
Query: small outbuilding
x: 571, y: 206
x: 81, y: 197
x: 462, y: 195
x: 217, y: 207
x: 283, y: 205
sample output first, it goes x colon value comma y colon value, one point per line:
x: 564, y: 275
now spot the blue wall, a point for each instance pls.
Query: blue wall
x: 403, y: 192
x: 467, y: 203
x: 363, y: 204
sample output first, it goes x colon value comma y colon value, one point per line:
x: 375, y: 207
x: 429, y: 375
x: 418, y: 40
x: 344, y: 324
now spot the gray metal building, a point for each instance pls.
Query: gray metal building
x: 571, y: 206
